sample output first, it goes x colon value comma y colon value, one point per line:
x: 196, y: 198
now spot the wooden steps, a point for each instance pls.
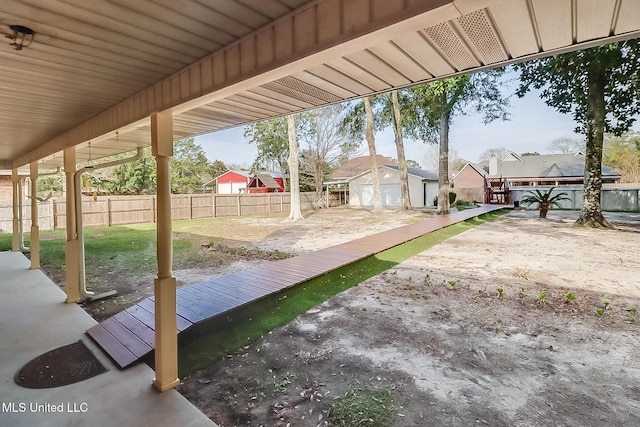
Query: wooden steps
x: 130, y: 335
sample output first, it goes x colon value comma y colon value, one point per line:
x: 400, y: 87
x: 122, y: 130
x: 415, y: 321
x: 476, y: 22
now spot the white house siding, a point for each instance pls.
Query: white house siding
x: 361, y: 190
x: 432, y: 192
x: 231, y: 187
x: 390, y: 194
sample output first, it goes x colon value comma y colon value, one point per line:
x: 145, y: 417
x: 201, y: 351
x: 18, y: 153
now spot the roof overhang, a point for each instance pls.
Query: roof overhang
x: 92, y: 77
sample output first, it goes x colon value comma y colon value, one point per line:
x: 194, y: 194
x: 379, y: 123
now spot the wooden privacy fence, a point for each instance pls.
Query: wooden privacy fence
x: 121, y: 210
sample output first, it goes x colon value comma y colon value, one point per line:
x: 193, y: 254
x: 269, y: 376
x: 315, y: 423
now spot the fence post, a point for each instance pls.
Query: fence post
x: 109, y: 219
x: 213, y: 204
x: 53, y: 214
x: 153, y: 209
x: 239, y: 207
x: 281, y: 202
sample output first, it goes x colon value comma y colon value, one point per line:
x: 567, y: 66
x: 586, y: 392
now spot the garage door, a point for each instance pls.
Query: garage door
x: 390, y: 194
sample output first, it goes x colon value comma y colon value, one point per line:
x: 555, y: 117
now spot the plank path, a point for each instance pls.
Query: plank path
x: 130, y: 335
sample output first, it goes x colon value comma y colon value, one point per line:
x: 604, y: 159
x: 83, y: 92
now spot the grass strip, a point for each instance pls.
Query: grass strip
x: 221, y: 336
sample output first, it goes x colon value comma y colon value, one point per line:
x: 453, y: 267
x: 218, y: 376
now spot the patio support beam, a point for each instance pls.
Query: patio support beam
x: 72, y: 248
x: 314, y: 33
x: 15, y: 181
x: 164, y: 286
x: 35, y: 228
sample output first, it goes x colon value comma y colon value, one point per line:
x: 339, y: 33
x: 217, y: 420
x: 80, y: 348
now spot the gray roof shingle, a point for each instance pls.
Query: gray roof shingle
x: 543, y: 166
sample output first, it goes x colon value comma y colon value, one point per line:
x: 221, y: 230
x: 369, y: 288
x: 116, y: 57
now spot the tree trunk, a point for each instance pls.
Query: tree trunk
x: 444, y: 207
x: 591, y: 213
x: 318, y: 181
x: 371, y: 142
x: 295, y: 214
x: 544, y: 208
x: 318, y: 160
x: 405, y: 202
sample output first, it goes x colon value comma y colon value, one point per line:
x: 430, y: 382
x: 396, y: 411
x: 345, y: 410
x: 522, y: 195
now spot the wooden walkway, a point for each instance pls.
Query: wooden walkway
x: 129, y: 335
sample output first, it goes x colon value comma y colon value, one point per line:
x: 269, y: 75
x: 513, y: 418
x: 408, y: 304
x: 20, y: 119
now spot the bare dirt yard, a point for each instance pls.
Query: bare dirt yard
x: 517, y: 322
x: 241, y: 238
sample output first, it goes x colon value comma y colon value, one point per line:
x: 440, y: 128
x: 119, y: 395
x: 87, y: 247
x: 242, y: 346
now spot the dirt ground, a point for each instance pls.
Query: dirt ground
x: 320, y: 229
x: 517, y: 322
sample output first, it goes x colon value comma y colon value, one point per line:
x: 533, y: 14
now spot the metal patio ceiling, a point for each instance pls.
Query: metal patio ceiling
x: 92, y: 63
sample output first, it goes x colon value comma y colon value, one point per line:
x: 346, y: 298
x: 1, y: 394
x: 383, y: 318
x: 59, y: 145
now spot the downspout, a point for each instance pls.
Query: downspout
x: 78, y: 232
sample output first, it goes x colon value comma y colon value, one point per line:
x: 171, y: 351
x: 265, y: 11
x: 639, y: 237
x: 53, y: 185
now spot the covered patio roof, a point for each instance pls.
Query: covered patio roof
x: 95, y: 71
x: 86, y: 79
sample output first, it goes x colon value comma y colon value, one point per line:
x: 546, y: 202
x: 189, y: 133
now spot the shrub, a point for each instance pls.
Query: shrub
x: 452, y: 198
x: 544, y: 200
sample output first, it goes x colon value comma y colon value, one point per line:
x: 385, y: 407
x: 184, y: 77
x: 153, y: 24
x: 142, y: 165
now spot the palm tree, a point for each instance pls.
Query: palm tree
x: 544, y: 200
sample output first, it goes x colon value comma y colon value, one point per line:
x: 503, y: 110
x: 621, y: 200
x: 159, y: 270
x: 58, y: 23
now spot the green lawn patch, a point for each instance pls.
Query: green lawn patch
x: 363, y: 408
x: 216, y: 338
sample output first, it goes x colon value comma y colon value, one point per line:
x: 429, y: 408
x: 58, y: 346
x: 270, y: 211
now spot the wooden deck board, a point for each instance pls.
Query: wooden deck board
x: 129, y: 335
x: 138, y: 328
x: 131, y: 341
x: 268, y: 280
x: 114, y: 348
x: 223, y: 298
x: 245, y: 293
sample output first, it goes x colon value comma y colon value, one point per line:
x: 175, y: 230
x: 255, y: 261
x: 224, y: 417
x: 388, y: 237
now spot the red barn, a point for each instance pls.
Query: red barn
x: 265, y: 183
x: 232, y: 182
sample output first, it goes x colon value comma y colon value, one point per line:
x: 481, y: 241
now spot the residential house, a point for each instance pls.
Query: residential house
x: 525, y: 171
x: 338, y: 184
x: 423, y: 187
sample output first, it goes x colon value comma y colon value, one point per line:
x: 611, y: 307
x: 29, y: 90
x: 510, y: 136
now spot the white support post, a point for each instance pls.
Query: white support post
x: 15, y: 181
x: 72, y: 248
x: 166, y: 333
x: 35, y: 228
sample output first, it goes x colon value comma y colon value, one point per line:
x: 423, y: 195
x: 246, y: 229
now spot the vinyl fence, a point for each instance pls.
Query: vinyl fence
x: 612, y: 198
x: 121, y: 210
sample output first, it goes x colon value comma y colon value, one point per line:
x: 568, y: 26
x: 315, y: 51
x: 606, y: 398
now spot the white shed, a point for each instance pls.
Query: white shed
x: 423, y: 187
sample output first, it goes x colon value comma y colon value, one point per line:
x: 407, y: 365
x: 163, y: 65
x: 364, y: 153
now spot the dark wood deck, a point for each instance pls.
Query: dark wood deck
x: 129, y: 335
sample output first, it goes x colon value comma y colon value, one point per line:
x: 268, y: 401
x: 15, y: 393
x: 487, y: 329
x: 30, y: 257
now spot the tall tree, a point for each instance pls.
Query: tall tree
x: 271, y: 138
x: 360, y: 121
x: 600, y: 86
x: 499, y: 153
x: 431, y: 160
x: 189, y: 166
x: 136, y: 177
x: 566, y: 145
x: 394, y: 109
x: 217, y: 168
x: 396, y: 123
x: 295, y: 212
x: 435, y: 104
x: 623, y: 155
x: 325, y: 142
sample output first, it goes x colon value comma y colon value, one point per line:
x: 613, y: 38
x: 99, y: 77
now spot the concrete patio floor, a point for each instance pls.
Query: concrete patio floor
x: 35, y: 319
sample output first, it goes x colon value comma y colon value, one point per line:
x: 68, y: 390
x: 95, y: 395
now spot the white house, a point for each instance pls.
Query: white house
x: 423, y: 187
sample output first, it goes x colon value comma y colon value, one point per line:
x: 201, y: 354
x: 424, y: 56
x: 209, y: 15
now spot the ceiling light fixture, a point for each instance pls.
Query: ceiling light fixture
x: 22, y: 36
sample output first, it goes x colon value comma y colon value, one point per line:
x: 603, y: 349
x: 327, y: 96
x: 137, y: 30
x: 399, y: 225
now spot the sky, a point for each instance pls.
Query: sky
x: 532, y: 127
